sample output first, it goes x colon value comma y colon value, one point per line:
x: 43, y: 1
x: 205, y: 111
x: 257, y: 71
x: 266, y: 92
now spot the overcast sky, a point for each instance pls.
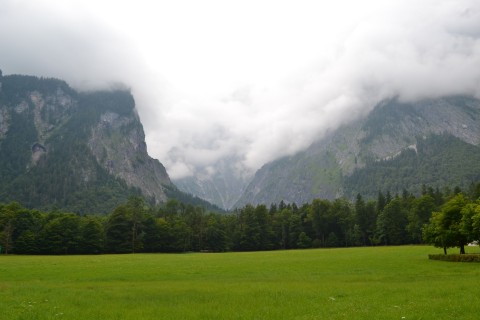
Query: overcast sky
x: 251, y: 80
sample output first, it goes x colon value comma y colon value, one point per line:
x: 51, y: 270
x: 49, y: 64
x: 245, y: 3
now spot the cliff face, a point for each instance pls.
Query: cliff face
x: 393, y: 126
x: 223, y: 188
x: 76, y: 151
x: 118, y: 144
x: 336, y: 165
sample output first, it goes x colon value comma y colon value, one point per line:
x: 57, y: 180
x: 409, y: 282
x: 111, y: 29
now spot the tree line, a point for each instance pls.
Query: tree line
x: 445, y: 219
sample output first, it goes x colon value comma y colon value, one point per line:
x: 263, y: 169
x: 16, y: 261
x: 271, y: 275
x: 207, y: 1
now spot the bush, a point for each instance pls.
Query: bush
x: 455, y: 257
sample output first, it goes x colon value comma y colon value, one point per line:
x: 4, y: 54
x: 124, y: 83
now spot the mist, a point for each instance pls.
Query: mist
x: 247, y: 80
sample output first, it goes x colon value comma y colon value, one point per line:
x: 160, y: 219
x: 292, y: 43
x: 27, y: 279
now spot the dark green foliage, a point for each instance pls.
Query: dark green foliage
x: 27, y: 225
x: 195, y: 219
x: 16, y: 87
x: 287, y: 228
x: 153, y: 234
x: 133, y: 228
x: 475, y: 191
x: 440, y: 160
x: 118, y: 231
x: 332, y: 240
x: 93, y: 104
x: 216, y: 238
x: 179, y: 236
x: 418, y: 216
x: 249, y: 231
x: 391, y: 224
x: 92, y: 236
x: 173, y: 193
x: 7, y: 216
x: 56, y: 183
x: 319, y: 213
x: 470, y: 221
x: 61, y: 235
x: 304, y: 241
x: 175, y: 227
x: 383, y: 120
x: 66, y: 175
x: 27, y: 243
x: 365, y: 220
x: 455, y: 225
x: 16, y: 150
x: 451, y: 221
x: 455, y: 257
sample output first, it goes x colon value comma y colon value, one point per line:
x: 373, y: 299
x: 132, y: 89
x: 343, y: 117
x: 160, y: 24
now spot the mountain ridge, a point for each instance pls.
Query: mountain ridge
x: 81, y: 151
x: 222, y: 188
x: 391, y: 128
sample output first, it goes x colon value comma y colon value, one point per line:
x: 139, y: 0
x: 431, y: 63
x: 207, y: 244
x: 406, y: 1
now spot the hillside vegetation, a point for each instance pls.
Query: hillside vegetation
x: 74, y: 151
x: 448, y: 219
x: 397, y: 146
x: 437, y: 160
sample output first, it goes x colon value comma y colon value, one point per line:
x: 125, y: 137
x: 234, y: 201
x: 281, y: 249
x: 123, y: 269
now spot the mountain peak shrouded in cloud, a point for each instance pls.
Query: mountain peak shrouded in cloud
x: 247, y: 80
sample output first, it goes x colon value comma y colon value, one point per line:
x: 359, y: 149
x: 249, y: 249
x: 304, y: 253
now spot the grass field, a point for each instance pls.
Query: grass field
x: 356, y: 283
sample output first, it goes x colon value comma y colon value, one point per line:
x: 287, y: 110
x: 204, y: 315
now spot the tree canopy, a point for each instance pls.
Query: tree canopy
x: 444, y: 219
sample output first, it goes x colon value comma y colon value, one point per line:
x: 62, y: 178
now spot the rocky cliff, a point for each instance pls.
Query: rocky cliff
x: 71, y: 150
x: 337, y: 165
x: 118, y: 143
x: 222, y: 188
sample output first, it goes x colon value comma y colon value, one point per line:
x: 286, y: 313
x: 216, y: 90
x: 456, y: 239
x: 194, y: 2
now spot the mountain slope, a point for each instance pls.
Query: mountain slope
x: 83, y: 152
x: 346, y: 161
x: 437, y: 160
x: 222, y: 188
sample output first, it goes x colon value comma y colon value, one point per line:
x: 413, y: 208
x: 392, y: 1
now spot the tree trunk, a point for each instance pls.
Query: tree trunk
x: 462, y: 249
x: 445, y: 250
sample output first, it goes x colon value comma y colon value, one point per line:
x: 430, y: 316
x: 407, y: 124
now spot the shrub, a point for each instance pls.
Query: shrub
x: 455, y: 257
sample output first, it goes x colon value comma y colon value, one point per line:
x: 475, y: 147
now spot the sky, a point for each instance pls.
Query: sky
x: 246, y: 80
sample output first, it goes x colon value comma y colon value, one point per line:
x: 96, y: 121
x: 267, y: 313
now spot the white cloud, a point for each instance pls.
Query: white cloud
x: 247, y: 80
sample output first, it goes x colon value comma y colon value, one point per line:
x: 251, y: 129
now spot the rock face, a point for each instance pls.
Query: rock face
x: 223, y: 188
x: 77, y: 151
x: 391, y: 129
x: 118, y: 144
x: 393, y: 126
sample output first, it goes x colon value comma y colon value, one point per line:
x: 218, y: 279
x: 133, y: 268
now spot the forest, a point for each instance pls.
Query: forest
x: 446, y: 219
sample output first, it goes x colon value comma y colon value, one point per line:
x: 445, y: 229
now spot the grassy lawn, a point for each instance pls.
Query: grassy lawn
x: 356, y: 283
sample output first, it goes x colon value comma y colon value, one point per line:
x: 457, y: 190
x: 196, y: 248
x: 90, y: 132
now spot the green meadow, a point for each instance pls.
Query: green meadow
x: 352, y: 283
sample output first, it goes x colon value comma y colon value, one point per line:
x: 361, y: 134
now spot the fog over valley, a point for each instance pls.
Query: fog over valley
x: 246, y: 82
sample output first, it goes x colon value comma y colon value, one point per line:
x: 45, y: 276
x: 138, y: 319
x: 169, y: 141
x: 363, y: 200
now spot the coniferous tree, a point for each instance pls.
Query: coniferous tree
x: 92, y: 236
x: 216, y: 237
x: 118, y: 231
x: 392, y: 229
x: 61, y: 235
x: 418, y: 216
x: 318, y: 214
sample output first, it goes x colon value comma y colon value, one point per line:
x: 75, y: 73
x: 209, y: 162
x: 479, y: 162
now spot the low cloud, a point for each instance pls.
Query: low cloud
x: 251, y: 82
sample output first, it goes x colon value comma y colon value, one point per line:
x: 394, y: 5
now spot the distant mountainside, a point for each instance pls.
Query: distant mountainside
x: 437, y: 160
x: 223, y: 188
x: 398, y: 145
x: 82, y: 152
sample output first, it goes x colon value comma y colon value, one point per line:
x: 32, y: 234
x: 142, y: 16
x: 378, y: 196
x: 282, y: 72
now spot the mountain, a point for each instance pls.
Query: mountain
x: 79, y: 151
x: 397, y: 146
x: 223, y: 187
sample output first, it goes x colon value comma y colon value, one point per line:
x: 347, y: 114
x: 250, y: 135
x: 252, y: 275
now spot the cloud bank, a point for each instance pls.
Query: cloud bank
x: 247, y: 80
